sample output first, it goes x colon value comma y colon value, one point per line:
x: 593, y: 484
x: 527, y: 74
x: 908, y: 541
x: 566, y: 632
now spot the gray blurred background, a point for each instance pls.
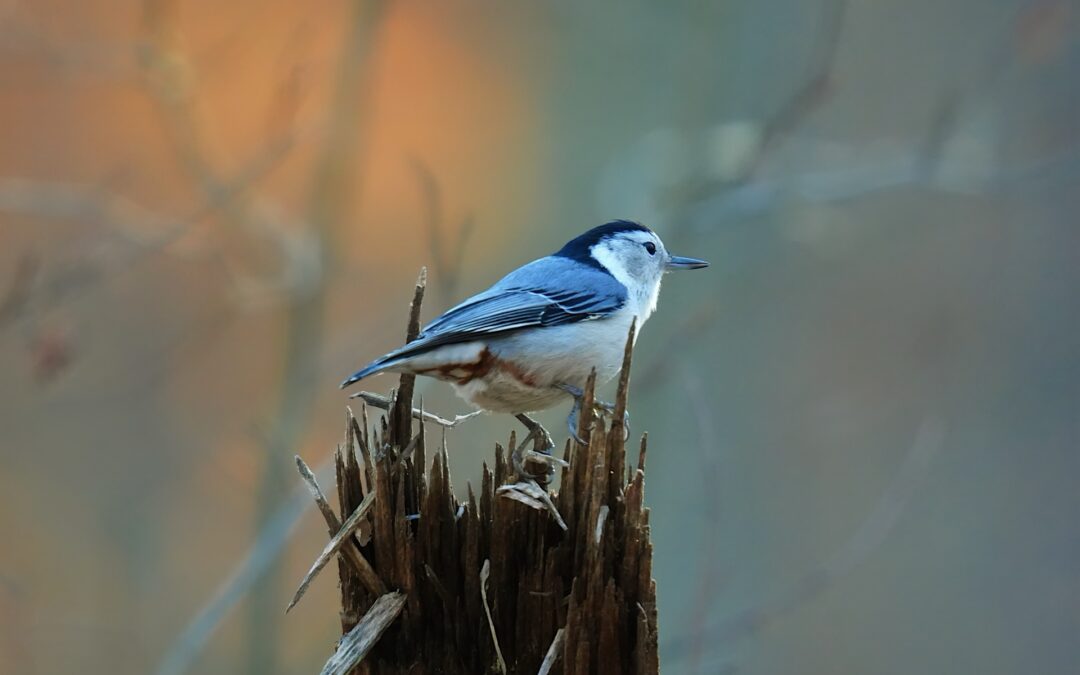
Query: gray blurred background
x: 864, y: 418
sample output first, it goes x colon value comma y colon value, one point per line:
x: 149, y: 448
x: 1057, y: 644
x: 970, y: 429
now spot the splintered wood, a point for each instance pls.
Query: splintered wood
x: 431, y: 584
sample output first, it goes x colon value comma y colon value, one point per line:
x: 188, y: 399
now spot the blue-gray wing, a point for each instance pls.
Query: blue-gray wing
x: 547, y: 292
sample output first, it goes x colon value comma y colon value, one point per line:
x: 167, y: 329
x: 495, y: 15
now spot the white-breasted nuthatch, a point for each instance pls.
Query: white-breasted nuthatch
x: 533, y: 338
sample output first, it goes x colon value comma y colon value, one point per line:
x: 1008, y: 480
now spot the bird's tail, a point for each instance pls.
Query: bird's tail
x: 402, y: 356
x: 377, y: 366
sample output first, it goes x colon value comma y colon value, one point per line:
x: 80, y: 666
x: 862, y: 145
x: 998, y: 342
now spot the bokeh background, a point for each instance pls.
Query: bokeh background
x: 864, y: 417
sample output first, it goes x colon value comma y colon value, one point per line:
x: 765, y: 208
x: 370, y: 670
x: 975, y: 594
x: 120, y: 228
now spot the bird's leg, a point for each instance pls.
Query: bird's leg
x: 541, y: 452
x: 572, y: 420
x: 602, y: 407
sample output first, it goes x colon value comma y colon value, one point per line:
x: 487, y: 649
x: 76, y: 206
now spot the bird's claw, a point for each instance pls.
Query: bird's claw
x: 540, y: 453
x: 540, y: 439
x: 602, y: 408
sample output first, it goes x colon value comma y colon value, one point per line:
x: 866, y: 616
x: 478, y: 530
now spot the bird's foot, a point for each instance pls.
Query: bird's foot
x: 602, y: 408
x: 536, y: 447
x: 531, y: 488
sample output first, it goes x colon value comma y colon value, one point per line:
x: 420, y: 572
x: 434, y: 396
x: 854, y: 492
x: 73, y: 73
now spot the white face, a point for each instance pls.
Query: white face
x: 638, y: 260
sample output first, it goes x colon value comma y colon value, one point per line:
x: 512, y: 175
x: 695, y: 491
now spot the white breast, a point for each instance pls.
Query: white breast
x: 541, y: 358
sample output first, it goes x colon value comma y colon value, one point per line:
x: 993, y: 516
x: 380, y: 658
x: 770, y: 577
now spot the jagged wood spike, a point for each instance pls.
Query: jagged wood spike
x: 403, y: 549
x: 385, y: 549
x: 401, y: 416
x: 623, y: 391
x: 363, y: 440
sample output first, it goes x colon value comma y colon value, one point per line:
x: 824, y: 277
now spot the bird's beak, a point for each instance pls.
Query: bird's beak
x: 677, y: 262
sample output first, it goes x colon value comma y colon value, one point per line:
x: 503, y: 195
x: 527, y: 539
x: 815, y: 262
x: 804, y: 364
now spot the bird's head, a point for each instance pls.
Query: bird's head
x: 630, y: 252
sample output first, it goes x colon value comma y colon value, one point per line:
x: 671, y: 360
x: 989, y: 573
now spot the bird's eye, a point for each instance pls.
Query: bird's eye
x: 650, y: 247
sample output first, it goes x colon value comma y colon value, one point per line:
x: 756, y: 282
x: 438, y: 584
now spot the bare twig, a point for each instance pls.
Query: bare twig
x: 350, y: 550
x: 384, y: 402
x: 355, y: 646
x: 343, y: 536
x: 485, y: 571
x: 554, y: 653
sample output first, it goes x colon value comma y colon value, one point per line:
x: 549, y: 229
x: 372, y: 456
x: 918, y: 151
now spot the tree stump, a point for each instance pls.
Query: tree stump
x: 431, y: 584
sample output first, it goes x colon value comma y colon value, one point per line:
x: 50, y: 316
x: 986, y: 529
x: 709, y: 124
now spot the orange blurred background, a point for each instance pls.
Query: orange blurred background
x: 864, y: 414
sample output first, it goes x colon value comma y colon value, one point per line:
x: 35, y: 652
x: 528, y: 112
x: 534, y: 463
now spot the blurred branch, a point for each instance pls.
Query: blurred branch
x: 82, y: 57
x: 747, y: 144
x: 22, y: 37
x: 169, y: 78
x: 168, y: 75
x: 874, y: 529
x: 689, y: 330
x: 445, y: 264
x: 334, y: 181
x: 275, y: 533
x: 169, y: 81
x: 186, y: 139
x: 916, y: 169
x: 93, y: 206
x: 708, y: 467
x: 138, y: 232
x: 18, y: 293
x: 830, y: 187
x: 815, y: 87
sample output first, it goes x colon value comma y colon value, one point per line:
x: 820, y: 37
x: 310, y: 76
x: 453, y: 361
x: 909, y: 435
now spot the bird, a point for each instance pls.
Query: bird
x: 532, y: 339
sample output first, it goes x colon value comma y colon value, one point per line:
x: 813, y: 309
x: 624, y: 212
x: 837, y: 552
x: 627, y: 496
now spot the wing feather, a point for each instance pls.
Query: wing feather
x: 510, y: 310
x: 543, y: 293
